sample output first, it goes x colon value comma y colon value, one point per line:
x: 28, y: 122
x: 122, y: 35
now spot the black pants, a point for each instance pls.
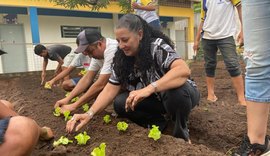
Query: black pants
x: 177, y: 103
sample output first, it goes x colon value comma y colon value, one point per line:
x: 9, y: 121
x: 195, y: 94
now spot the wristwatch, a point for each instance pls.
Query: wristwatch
x: 154, y: 85
x: 90, y: 113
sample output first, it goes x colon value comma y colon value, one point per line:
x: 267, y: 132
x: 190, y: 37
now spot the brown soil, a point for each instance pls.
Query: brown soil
x: 215, y: 128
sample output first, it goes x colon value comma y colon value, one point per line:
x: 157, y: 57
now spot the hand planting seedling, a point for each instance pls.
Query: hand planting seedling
x: 122, y: 126
x: 83, y: 72
x: 63, y: 140
x: 66, y: 115
x: 82, y: 138
x: 75, y: 99
x: 107, y: 119
x: 154, y: 133
x: 57, y: 111
x: 47, y: 86
x: 85, y: 107
x: 99, y: 151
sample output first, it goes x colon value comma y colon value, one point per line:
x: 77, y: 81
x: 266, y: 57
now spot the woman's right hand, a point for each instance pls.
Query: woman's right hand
x: 83, y: 119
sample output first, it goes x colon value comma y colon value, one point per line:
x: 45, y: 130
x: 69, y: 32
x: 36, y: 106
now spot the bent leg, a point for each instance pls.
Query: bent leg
x: 178, y: 104
x: 21, y: 136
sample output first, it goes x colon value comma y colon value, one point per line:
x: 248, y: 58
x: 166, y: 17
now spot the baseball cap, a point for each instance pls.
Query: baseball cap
x: 87, y: 37
x: 2, y: 52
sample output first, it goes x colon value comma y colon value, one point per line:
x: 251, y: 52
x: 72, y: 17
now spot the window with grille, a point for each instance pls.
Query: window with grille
x: 73, y: 31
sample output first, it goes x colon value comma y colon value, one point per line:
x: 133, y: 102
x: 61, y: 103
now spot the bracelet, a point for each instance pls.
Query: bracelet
x: 90, y: 113
x: 154, y: 85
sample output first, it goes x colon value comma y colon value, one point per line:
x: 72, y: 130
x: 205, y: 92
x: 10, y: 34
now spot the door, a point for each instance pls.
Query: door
x: 13, y: 42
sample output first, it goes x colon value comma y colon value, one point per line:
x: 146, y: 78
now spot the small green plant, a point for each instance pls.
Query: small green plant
x: 63, y: 140
x: 107, y: 119
x: 85, y: 107
x: 47, y: 85
x: 67, y: 115
x: 99, y: 151
x: 154, y: 133
x: 122, y: 126
x: 57, y: 111
x: 83, y: 72
x: 67, y: 94
x: 82, y: 138
x: 75, y: 99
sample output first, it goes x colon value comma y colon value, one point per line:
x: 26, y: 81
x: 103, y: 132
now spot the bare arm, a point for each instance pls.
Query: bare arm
x: 62, y: 75
x: 43, y: 74
x: 83, y: 84
x: 240, y: 38
x: 94, y: 90
x: 60, y: 63
x: 149, y: 7
x: 197, y: 39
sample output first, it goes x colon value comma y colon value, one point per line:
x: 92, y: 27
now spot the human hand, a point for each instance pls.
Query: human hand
x: 83, y: 119
x: 135, y: 5
x: 61, y: 102
x: 135, y: 97
x: 240, y: 39
x: 195, y: 47
x: 68, y: 107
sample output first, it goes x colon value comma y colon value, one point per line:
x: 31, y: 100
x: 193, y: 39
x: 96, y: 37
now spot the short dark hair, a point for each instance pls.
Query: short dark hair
x: 39, y: 48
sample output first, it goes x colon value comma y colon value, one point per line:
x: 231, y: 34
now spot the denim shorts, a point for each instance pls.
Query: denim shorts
x: 3, y: 127
x: 227, y: 48
x: 256, y: 26
x: 75, y: 80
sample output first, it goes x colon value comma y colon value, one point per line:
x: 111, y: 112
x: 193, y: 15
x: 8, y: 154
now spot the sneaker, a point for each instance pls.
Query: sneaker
x: 247, y: 149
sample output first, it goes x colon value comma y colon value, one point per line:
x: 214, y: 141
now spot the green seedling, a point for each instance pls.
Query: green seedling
x: 107, y: 119
x: 99, y: 151
x: 75, y: 99
x: 63, y: 140
x: 122, y: 126
x: 67, y: 115
x: 85, y: 107
x: 154, y: 133
x: 57, y: 111
x: 67, y: 94
x: 47, y: 86
x: 83, y: 72
x: 82, y: 138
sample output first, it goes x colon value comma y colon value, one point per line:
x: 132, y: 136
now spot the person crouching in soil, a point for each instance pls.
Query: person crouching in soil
x: 153, y: 78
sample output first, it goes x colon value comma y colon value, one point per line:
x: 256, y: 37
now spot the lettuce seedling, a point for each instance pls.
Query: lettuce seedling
x: 47, y: 86
x: 63, y: 140
x: 75, y: 99
x: 67, y: 94
x: 66, y: 115
x: 107, y: 119
x: 122, y: 126
x: 83, y: 72
x: 85, y: 107
x: 99, y: 151
x: 154, y: 133
x: 82, y: 138
x: 57, y: 111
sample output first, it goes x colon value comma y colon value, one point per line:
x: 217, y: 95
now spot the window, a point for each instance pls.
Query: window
x: 73, y: 31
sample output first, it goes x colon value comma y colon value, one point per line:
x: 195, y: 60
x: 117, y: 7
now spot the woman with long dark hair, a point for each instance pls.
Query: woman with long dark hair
x: 149, y: 83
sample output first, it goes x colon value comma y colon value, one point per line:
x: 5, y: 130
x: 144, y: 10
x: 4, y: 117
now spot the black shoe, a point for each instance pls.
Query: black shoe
x: 247, y: 149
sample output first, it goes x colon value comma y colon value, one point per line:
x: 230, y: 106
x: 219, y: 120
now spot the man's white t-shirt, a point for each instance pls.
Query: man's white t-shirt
x: 81, y: 60
x: 104, y: 65
x: 219, y: 19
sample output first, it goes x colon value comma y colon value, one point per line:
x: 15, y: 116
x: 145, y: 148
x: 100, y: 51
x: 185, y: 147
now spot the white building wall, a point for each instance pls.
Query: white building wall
x: 50, y: 33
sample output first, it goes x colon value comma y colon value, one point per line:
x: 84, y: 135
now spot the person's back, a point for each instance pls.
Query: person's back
x: 60, y: 50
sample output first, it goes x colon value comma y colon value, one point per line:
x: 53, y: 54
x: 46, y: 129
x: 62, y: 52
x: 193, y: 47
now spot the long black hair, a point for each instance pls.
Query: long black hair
x: 124, y: 65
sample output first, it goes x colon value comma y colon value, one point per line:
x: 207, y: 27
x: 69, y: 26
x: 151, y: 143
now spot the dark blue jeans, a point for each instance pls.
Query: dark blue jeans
x: 175, y: 103
x: 3, y: 127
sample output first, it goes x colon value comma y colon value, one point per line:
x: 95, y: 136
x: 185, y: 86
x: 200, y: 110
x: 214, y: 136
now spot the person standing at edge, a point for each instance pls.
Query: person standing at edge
x: 216, y: 30
x: 256, y: 26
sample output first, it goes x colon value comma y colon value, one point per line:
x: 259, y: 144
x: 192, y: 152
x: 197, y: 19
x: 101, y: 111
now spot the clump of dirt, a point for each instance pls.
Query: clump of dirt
x: 215, y: 128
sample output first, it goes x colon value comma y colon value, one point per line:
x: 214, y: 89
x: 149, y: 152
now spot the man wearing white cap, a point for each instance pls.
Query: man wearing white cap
x: 102, y: 51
